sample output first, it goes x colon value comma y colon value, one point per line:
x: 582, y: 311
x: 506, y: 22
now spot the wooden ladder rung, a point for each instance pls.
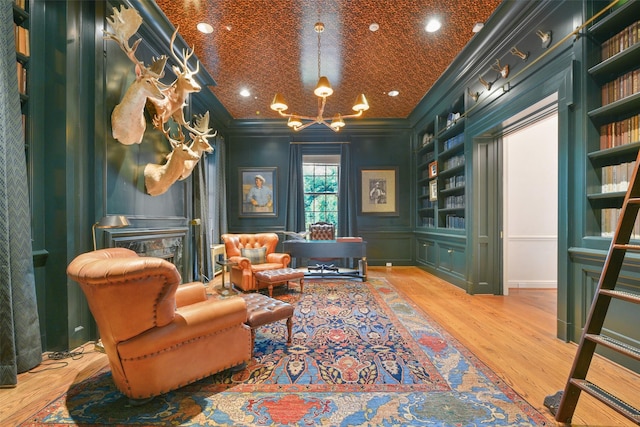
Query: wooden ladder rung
x: 621, y: 295
x: 608, y: 399
x: 615, y: 345
x: 627, y: 247
x: 633, y: 201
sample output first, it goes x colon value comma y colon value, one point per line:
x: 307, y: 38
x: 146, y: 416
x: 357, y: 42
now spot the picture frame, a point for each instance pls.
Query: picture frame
x: 433, y: 169
x: 258, y: 200
x: 378, y: 191
x: 433, y: 190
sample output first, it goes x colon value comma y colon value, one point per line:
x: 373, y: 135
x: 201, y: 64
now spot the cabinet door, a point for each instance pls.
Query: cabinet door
x: 452, y: 259
x: 426, y: 252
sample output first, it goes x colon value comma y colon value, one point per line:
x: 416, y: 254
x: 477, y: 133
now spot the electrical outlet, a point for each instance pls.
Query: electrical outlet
x: 389, y: 264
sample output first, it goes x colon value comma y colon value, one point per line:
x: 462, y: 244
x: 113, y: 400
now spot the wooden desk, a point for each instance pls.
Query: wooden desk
x: 329, y: 249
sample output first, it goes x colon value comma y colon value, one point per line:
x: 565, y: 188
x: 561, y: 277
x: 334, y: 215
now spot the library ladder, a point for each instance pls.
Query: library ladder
x: 592, y: 334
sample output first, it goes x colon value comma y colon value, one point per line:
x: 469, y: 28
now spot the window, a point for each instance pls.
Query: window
x: 321, y: 177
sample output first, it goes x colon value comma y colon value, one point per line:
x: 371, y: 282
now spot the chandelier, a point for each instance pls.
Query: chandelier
x: 322, y: 91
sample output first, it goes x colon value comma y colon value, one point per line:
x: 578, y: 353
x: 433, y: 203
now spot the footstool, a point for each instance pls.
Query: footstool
x: 262, y: 310
x: 277, y: 277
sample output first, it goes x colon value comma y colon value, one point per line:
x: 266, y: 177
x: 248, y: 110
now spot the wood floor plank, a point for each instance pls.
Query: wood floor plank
x: 513, y: 335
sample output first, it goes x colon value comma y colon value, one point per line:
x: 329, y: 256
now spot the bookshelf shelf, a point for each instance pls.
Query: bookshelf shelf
x: 616, y: 51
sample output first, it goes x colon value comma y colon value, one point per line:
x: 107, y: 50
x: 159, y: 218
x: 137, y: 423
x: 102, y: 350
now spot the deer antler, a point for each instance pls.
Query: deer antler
x: 504, y: 71
x: 125, y: 23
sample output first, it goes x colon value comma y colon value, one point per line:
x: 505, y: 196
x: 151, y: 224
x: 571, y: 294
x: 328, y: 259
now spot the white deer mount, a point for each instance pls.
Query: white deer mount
x: 199, y: 143
x: 164, y: 102
x: 127, y: 120
x: 175, y: 95
x: 158, y: 178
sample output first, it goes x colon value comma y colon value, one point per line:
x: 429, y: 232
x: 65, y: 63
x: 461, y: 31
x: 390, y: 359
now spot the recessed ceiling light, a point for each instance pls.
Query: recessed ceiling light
x: 477, y: 27
x: 433, y: 25
x: 245, y: 92
x: 374, y: 27
x: 393, y: 93
x: 205, y: 28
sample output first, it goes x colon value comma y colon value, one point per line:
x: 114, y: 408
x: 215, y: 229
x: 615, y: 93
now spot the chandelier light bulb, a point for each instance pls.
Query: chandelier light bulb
x: 278, y: 103
x: 323, y: 88
x: 361, y: 104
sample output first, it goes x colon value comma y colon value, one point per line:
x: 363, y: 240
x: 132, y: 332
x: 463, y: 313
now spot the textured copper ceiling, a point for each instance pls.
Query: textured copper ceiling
x: 269, y: 46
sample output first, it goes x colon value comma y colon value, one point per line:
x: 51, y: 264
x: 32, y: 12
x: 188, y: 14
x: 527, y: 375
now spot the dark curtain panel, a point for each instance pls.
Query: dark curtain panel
x: 347, y: 224
x: 202, y: 231
x: 219, y: 213
x: 294, y: 220
x: 20, y: 346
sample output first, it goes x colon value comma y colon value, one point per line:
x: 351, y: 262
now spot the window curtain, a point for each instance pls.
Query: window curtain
x: 219, y: 197
x: 347, y: 224
x: 20, y: 345
x: 202, y: 231
x: 294, y: 220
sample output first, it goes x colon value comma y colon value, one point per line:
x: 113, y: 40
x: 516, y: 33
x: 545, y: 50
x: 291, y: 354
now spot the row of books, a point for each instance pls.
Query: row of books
x: 428, y: 157
x: 609, y: 222
x: 454, y: 221
x: 616, y: 177
x: 428, y: 221
x: 620, y: 133
x: 427, y: 138
x: 456, y: 202
x: 620, y: 88
x: 22, y: 39
x: 621, y: 41
x: 453, y: 162
x: 452, y: 142
x: 427, y: 204
x: 22, y: 77
x: 454, y: 182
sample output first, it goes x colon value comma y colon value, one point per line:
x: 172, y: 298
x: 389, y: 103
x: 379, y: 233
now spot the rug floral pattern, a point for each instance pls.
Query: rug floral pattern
x: 362, y: 355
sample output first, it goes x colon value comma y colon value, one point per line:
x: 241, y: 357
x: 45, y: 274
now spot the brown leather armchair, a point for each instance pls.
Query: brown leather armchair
x: 242, y: 274
x: 158, y: 335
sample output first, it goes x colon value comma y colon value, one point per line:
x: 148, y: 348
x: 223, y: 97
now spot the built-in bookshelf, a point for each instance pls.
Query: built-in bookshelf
x: 441, y: 171
x: 616, y: 70
x: 23, y: 52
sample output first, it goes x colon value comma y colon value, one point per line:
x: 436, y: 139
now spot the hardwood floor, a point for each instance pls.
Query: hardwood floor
x: 514, y: 335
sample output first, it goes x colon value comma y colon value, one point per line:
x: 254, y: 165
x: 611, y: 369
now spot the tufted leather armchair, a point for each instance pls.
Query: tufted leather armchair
x: 322, y: 231
x: 158, y: 335
x: 242, y: 274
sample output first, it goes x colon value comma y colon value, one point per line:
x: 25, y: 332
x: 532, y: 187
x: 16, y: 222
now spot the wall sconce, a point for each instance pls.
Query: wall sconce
x: 514, y: 51
x: 109, y: 221
x: 545, y: 37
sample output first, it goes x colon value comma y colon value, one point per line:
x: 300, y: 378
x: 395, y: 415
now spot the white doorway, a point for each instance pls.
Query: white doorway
x: 530, y: 205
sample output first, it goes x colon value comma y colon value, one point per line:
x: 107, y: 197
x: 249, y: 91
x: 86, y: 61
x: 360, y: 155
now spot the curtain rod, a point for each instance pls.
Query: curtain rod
x: 321, y: 142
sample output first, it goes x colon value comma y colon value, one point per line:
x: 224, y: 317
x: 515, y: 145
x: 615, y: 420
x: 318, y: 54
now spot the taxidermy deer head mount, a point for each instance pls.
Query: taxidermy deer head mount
x: 175, y: 99
x: 158, y: 178
x: 163, y: 101
x: 127, y: 120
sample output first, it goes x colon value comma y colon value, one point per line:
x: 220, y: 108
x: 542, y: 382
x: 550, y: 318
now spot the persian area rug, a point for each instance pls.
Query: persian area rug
x: 362, y: 355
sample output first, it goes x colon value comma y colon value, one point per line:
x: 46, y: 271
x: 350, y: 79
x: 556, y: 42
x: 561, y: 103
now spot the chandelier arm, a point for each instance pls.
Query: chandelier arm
x: 321, y: 104
x: 352, y: 116
x: 306, y: 125
x: 297, y: 115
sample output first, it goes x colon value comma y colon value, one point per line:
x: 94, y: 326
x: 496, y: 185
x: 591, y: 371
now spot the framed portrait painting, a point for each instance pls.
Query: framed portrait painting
x: 259, y: 192
x: 378, y: 192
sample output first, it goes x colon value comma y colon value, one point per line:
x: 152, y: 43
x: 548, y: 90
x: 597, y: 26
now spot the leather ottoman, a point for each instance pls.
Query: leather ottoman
x: 268, y: 278
x: 262, y: 310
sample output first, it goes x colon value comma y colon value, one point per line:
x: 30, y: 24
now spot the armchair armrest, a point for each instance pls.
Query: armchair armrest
x: 243, y: 263
x: 191, y: 322
x: 283, y: 259
x: 190, y: 293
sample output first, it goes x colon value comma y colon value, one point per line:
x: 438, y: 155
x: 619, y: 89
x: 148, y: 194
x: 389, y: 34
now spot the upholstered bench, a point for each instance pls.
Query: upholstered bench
x: 269, y: 278
x: 262, y: 310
